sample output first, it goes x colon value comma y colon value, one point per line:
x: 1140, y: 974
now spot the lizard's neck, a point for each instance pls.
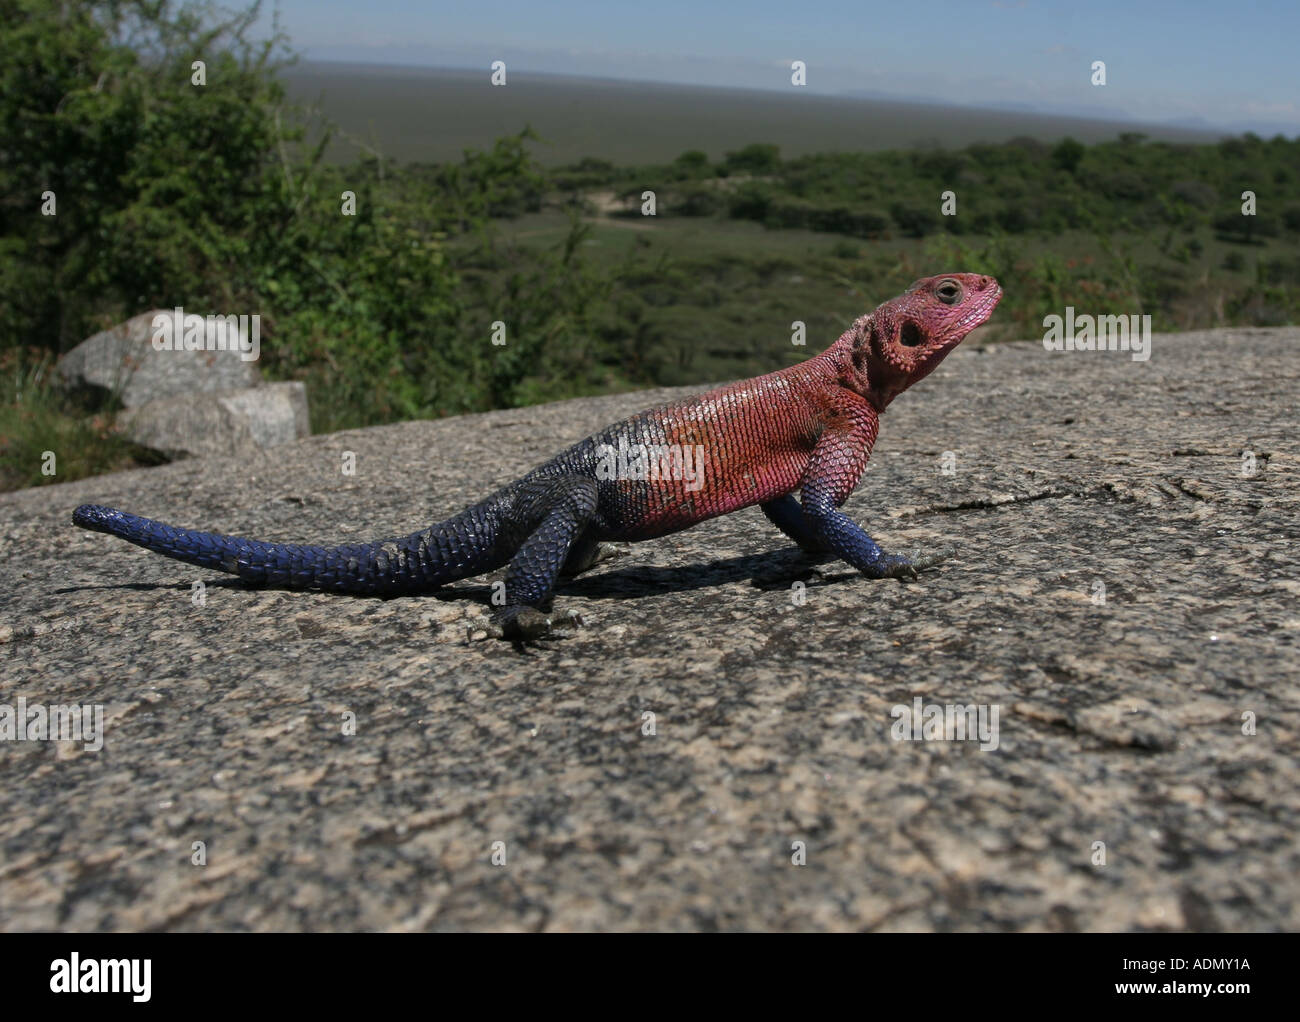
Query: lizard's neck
x: 846, y: 363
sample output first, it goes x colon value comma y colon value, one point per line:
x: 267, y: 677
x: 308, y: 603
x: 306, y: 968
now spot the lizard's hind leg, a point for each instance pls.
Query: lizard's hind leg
x: 557, y: 512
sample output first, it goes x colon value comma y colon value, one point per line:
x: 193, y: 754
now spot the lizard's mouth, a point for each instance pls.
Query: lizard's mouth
x: 981, y: 312
x: 977, y: 315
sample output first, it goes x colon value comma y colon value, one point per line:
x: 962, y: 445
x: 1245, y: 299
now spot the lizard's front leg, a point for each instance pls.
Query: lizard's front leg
x: 786, y: 514
x: 836, y: 465
x: 849, y: 541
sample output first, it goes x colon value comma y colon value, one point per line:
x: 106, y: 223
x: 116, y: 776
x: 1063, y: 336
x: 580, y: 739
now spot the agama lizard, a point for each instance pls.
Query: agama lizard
x: 807, y: 428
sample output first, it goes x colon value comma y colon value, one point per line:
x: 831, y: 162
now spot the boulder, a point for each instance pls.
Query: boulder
x: 222, y: 422
x: 124, y: 359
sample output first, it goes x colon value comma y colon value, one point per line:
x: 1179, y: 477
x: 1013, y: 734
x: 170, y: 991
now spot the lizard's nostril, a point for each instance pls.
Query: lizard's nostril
x: 985, y: 282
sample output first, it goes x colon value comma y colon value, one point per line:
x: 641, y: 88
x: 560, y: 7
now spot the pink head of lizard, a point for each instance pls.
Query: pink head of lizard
x: 905, y: 338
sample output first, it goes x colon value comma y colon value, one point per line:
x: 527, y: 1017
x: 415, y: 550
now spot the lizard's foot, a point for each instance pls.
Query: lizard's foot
x: 610, y: 552
x: 588, y: 558
x: 599, y: 553
x: 523, y: 623
x: 898, y: 566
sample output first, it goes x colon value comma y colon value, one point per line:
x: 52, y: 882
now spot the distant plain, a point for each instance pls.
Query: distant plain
x: 422, y: 114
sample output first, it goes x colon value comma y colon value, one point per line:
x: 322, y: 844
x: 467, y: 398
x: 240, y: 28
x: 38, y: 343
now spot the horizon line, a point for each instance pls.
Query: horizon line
x: 1209, y: 129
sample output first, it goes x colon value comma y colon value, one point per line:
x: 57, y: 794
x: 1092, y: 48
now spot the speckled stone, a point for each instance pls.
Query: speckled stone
x: 221, y: 422
x: 124, y: 360
x: 1120, y: 722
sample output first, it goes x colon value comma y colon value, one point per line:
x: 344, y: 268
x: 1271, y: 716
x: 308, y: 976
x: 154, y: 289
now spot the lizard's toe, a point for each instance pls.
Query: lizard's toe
x: 611, y: 552
x: 929, y: 560
x: 890, y: 566
x: 523, y: 624
x: 897, y: 566
x: 566, y: 621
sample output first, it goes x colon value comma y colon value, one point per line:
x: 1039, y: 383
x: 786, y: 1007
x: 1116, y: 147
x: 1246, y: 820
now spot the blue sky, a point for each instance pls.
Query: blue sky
x: 1230, y: 66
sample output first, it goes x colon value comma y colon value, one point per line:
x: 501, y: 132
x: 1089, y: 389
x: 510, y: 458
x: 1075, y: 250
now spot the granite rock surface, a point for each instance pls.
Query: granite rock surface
x: 719, y: 747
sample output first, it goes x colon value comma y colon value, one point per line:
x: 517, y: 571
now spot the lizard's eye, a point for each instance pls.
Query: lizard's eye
x: 948, y: 292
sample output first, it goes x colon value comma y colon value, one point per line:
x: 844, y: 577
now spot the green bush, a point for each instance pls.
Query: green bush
x: 754, y: 159
x: 694, y: 200
x: 169, y: 192
x: 914, y: 221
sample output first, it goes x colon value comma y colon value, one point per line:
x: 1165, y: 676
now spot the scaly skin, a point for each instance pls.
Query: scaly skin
x: 806, y: 429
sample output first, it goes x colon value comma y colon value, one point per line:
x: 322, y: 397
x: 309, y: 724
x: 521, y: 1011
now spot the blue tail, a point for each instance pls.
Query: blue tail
x: 416, y: 563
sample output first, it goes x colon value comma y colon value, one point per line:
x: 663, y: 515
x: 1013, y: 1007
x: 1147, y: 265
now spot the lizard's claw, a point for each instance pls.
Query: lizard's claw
x: 921, y: 561
x: 898, y: 566
x: 523, y: 624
